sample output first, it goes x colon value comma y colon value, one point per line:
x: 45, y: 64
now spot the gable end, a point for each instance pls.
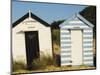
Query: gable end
x: 32, y: 16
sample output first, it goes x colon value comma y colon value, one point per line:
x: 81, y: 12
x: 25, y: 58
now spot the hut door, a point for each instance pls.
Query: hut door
x: 32, y: 47
x: 76, y: 47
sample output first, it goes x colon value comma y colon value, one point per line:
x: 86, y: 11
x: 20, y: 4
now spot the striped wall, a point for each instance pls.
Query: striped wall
x: 88, y: 47
x: 65, y: 47
x: 72, y: 24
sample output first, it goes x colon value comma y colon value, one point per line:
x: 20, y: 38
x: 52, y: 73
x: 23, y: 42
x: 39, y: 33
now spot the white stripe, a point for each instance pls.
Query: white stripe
x: 88, y: 44
x: 66, y: 31
x: 65, y: 44
x: 65, y: 49
x: 87, y: 35
x: 76, y: 21
x: 65, y: 36
x: 67, y: 40
x: 62, y: 54
x: 86, y: 49
x: 87, y: 39
x: 88, y: 58
x: 88, y: 30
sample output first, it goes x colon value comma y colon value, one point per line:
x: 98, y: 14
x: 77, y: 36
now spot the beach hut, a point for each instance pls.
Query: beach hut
x: 31, y: 39
x: 76, y: 41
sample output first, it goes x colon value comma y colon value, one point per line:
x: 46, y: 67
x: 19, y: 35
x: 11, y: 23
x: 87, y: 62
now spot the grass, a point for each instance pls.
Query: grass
x: 51, y: 68
x: 43, y: 63
x: 18, y: 65
x: 37, y: 64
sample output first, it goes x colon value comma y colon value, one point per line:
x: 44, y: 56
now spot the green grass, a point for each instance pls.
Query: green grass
x: 43, y: 63
x: 37, y: 64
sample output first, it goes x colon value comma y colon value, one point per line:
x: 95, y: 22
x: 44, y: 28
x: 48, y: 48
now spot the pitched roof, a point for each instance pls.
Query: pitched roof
x: 77, y: 17
x: 32, y: 16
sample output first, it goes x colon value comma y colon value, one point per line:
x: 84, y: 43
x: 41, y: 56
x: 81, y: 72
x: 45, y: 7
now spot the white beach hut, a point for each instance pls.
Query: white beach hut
x: 76, y: 35
x: 31, y: 38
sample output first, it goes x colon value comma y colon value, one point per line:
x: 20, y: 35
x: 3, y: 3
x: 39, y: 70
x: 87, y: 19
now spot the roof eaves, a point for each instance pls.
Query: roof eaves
x: 40, y: 20
x: 84, y: 20
x: 20, y: 20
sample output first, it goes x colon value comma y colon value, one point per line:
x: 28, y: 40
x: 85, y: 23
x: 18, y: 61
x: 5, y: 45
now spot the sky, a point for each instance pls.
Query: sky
x: 49, y: 12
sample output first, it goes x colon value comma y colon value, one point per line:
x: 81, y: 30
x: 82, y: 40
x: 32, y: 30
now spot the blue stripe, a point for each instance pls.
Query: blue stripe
x: 87, y: 51
x: 65, y: 61
x: 90, y: 64
x: 80, y: 24
x: 72, y: 20
x: 87, y: 37
x: 65, y: 47
x: 86, y: 42
x: 88, y: 59
x: 66, y: 42
x: 64, y: 33
x: 64, y: 56
x: 88, y: 29
x: 65, y: 38
x: 88, y: 55
x: 64, y: 29
x: 66, y: 51
x: 86, y: 33
x: 87, y: 46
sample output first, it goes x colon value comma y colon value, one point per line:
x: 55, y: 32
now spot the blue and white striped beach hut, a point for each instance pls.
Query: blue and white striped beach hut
x: 76, y: 35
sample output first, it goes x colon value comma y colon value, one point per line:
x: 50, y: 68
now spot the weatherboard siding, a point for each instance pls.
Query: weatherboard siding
x: 65, y: 47
x: 88, y: 47
x: 75, y: 24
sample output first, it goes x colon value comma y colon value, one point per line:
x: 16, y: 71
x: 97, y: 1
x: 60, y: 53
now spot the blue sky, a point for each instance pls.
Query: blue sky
x: 47, y: 11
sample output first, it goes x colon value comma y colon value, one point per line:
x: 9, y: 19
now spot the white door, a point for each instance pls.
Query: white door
x: 76, y: 47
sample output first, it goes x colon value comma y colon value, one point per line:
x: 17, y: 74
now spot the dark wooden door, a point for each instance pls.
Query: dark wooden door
x: 32, y: 47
